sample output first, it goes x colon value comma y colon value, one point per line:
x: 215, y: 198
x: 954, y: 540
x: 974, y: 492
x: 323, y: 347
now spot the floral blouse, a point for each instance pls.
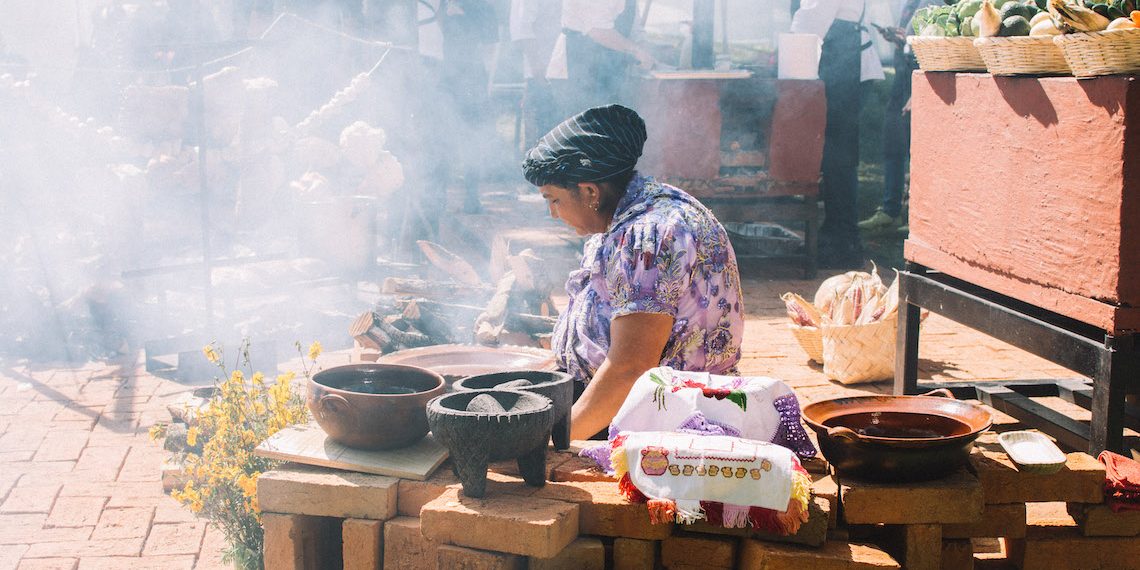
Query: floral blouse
x: 665, y: 253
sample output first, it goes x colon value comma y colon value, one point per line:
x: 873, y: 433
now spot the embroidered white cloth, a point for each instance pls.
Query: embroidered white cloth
x: 664, y: 399
x: 689, y: 468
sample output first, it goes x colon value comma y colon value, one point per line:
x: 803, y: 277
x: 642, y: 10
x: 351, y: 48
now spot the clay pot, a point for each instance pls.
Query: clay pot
x: 558, y: 386
x: 897, y: 438
x: 476, y: 438
x: 373, y: 406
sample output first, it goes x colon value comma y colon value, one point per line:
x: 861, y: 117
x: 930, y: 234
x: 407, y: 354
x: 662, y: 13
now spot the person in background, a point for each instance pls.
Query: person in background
x: 591, y: 57
x: 896, y: 122
x: 534, y: 26
x: 845, y: 61
x: 658, y: 283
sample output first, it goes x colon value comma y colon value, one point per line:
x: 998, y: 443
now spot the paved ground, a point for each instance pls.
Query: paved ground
x: 80, y: 482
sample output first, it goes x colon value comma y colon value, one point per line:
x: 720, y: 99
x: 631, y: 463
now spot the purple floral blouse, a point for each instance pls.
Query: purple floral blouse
x: 664, y: 252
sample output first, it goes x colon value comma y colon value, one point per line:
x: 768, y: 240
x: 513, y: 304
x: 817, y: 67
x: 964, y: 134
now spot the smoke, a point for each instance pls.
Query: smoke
x: 184, y: 171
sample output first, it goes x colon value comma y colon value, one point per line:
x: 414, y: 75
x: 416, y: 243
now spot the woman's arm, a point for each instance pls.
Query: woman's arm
x: 612, y: 39
x: 636, y: 343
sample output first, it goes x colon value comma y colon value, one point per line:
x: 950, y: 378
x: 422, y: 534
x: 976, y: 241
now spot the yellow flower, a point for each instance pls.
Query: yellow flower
x: 314, y: 350
x: 157, y: 431
x: 192, y: 436
x: 258, y: 378
x: 247, y: 484
x: 211, y: 354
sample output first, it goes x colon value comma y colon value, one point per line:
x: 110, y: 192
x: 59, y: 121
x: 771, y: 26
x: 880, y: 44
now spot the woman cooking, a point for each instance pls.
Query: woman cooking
x: 658, y: 284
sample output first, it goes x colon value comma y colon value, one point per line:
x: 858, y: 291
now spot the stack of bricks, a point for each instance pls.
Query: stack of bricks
x: 1038, y: 521
x: 322, y: 518
x: 986, y: 515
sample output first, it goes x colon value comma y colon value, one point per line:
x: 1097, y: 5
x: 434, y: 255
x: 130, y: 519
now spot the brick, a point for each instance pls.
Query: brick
x: 811, y: 533
x: 178, y: 538
x: 123, y: 523
x: 956, y: 498
x: 148, y: 563
x: 171, y: 512
x: 173, y: 476
x: 579, y: 469
x: 1080, y: 481
x: 825, y: 486
x: 448, y: 556
x: 82, y: 549
x: 1099, y: 520
x: 10, y: 554
x: 1006, y: 520
x: 300, y: 542
x: 363, y: 544
x: 1052, y: 546
x: 585, y: 553
x: 603, y: 511
x: 697, y: 551
x: 922, y: 547
x: 34, y: 473
x: 529, y: 526
x: 302, y: 489
x: 510, y: 467
x: 76, y: 511
x: 48, y: 564
x: 143, y: 463
x: 405, y: 546
x: 634, y: 554
x: 31, y: 499
x: 756, y: 555
x: 28, y: 528
x: 62, y: 446
x: 957, y: 555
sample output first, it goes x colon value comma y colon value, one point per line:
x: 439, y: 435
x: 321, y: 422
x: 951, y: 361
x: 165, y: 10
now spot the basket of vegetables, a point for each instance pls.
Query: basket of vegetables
x: 1016, y: 38
x: 945, y: 38
x: 1099, y: 39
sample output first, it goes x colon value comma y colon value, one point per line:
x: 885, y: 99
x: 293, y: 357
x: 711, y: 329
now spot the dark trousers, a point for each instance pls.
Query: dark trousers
x: 840, y: 70
x: 896, y: 135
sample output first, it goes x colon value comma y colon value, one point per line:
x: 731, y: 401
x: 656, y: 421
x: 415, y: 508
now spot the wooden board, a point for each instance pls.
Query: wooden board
x: 309, y: 444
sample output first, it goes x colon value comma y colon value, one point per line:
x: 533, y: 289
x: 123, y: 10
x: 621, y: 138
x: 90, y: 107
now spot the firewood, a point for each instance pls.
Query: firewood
x: 410, y: 338
x: 426, y: 288
x: 449, y: 263
x: 490, y: 323
x: 531, y: 324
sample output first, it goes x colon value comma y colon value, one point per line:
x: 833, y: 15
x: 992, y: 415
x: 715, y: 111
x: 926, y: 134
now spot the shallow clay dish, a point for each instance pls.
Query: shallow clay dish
x: 455, y: 361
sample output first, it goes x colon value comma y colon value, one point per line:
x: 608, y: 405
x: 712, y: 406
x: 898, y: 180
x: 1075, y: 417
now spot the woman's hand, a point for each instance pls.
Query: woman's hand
x: 636, y: 343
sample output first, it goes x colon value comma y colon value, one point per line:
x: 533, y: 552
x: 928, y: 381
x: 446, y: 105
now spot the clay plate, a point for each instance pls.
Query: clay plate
x: 455, y: 361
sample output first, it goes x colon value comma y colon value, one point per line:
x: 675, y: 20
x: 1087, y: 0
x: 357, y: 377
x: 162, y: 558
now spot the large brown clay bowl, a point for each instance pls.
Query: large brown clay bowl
x: 896, y: 438
x: 373, y: 406
x: 558, y: 386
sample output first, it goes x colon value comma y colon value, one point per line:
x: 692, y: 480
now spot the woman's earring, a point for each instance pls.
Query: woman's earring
x: 597, y: 207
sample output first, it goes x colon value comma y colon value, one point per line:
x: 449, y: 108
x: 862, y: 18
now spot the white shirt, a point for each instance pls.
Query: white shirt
x: 581, y: 16
x: 528, y: 22
x: 816, y: 17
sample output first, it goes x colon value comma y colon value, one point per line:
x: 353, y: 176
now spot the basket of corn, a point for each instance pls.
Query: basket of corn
x: 1016, y: 38
x: 1099, y: 39
x: 944, y: 38
x: 849, y: 327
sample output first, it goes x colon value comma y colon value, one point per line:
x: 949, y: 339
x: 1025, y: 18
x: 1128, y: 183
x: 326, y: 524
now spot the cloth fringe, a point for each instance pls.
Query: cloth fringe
x: 661, y: 511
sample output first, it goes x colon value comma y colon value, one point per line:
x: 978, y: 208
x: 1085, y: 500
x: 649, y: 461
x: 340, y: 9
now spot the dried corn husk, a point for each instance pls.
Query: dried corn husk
x: 833, y: 289
x: 801, y: 311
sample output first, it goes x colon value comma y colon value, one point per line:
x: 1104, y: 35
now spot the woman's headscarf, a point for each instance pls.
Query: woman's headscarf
x: 593, y: 145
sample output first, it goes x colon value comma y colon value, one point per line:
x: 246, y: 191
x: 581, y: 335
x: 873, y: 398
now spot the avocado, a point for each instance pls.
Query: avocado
x: 966, y: 28
x: 1014, y: 26
x: 1015, y: 9
x: 1101, y: 9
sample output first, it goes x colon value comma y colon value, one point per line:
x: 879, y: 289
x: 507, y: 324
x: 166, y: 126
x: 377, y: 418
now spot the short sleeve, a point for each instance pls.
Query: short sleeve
x: 649, y: 268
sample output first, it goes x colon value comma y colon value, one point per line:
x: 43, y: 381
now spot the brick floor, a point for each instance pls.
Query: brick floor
x: 79, y: 480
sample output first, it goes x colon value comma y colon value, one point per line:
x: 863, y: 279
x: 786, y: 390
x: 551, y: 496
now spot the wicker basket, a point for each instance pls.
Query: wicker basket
x: 810, y: 340
x: 860, y: 353
x: 1022, y: 55
x: 946, y: 54
x: 1101, y: 53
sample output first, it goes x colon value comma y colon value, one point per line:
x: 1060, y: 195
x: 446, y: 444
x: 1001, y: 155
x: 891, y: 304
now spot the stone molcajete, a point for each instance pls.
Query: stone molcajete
x: 481, y: 426
x: 558, y: 386
x: 373, y: 406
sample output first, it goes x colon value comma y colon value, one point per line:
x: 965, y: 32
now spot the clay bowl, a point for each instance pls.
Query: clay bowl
x: 517, y: 428
x: 373, y: 406
x: 457, y: 361
x: 897, y: 438
x: 558, y: 386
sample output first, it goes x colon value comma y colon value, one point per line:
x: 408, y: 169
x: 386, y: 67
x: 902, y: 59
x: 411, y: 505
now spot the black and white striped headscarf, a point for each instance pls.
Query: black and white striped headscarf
x: 593, y: 145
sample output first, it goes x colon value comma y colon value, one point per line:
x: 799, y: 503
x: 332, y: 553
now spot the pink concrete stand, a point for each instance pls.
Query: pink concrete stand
x: 1024, y: 215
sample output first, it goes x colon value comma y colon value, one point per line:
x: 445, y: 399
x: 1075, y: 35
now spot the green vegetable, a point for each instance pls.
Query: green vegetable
x: 1101, y: 9
x: 1014, y: 26
x: 968, y: 8
x: 966, y: 28
x: 1015, y: 9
